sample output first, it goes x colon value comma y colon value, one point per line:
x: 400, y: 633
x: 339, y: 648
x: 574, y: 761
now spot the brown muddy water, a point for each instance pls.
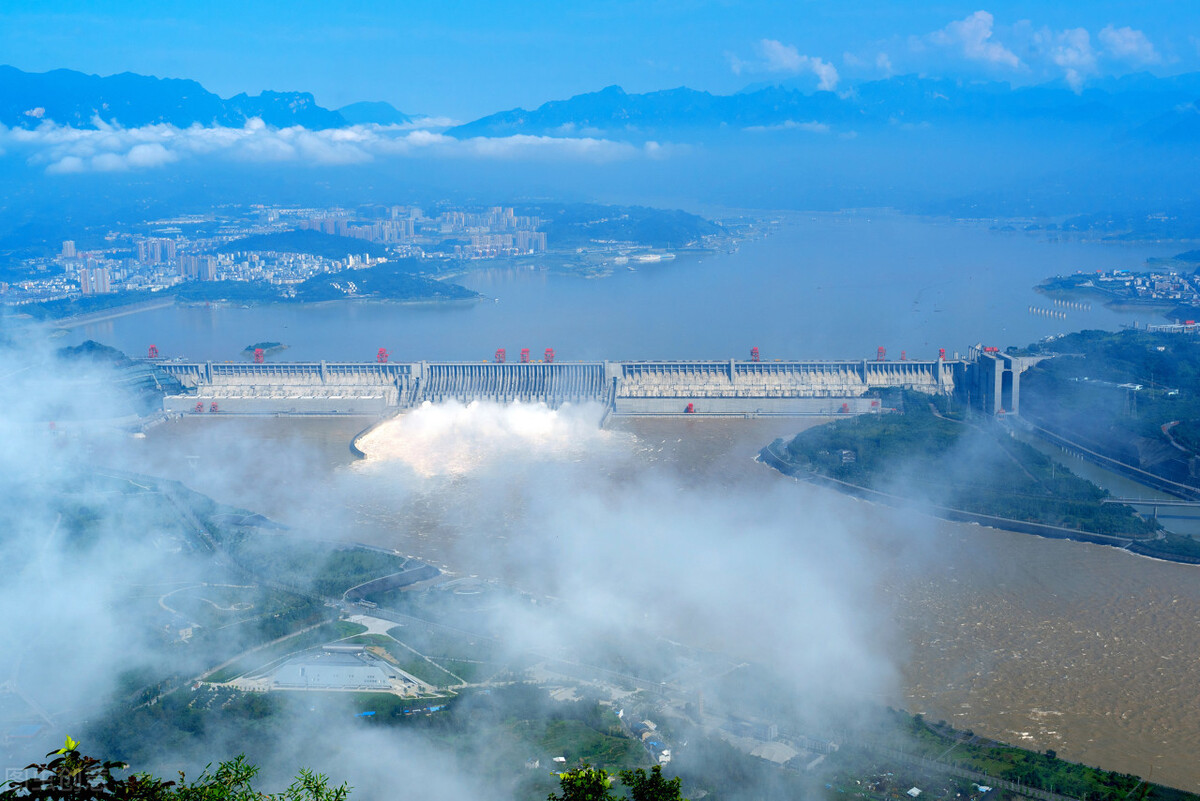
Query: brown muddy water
x: 1084, y: 649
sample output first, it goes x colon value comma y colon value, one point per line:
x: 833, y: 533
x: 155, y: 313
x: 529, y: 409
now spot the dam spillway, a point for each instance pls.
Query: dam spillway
x: 537, y: 382
x: 728, y: 387
x: 289, y: 387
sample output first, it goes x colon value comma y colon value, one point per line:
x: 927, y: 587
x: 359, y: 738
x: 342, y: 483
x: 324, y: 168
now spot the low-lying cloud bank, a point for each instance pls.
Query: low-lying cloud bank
x: 623, y: 557
x: 62, y: 149
x: 548, y: 502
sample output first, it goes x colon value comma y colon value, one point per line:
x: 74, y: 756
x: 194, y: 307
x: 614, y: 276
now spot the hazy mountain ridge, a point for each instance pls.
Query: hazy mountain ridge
x: 1121, y: 152
x: 1138, y: 106
x: 1120, y: 103
x: 130, y: 100
x: 377, y: 112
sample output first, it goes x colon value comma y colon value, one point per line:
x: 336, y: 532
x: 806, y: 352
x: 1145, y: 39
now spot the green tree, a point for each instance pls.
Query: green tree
x: 652, y: 787
x: 584, y: 784
x: 72, y: 776
x: 231, y: 781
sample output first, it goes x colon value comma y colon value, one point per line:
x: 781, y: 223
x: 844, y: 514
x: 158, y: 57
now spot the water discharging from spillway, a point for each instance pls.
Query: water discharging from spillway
x: 454, y: 439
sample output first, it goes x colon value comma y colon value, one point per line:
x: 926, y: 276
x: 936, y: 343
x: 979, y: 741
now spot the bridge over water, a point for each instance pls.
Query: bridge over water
x: 728, y: 387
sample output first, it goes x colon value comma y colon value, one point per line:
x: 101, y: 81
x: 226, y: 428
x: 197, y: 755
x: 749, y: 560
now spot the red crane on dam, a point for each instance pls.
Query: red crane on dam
x: 524, y: 355
x: 881, y: 354
x: 500, y: 355
x: 382, y: 356
x: 259, y: 356
x: 152, y: 353
x: 549, y: 355
x: 754, y: 354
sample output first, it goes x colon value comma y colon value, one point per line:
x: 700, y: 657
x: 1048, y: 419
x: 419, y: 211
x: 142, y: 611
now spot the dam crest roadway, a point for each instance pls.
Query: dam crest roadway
x: 725, y: 388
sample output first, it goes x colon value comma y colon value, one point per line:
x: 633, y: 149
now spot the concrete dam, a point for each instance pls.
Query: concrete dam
x: 729, y: 388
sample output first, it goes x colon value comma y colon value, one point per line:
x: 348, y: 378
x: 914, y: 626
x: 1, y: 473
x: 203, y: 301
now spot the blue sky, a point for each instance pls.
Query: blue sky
x: 467, y: 59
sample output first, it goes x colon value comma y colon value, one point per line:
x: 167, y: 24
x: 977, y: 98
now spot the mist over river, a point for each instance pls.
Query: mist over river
x: 829, y: 286
x: 1084, y: 649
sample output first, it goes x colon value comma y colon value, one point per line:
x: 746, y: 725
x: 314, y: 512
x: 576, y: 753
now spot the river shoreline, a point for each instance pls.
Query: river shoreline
x: 1133, y: 545
x: 77, y: 320
x: 138, y: 307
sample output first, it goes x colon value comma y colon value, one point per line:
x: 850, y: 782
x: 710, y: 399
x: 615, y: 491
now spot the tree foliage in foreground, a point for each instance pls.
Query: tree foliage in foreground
x: 69, y: 775
x: 595, y: 784
x: 72, y: 776
x: 652, y: 786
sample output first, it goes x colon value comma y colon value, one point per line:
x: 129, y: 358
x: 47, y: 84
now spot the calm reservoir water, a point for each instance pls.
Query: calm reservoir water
x: 833, y: 286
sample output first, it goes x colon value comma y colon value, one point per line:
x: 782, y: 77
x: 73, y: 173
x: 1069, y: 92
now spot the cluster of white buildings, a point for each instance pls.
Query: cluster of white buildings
x: 499, y: 231
x: 133, y: 262
x: 1172, y: 286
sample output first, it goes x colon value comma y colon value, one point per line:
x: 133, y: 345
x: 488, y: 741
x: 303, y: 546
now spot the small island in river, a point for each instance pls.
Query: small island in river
x: 267, y: 348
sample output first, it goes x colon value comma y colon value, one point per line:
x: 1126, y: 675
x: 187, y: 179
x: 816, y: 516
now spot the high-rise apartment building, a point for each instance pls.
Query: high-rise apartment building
x: 189, y: 267
x: 94, y: 281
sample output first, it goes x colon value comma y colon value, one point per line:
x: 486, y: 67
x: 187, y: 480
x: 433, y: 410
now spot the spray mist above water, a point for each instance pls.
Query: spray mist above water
x: 629, y: 549
x: 452, y: 439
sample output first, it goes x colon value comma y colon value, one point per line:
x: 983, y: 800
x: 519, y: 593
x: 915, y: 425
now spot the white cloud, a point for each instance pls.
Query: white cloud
x: 1072, y: 51
x: 973, y: 36
x: 149, y: 155
x: 1037, y: 52
x: 780, y: 57
x: 429, y: 123
x: 827, y: 75
x: 67, y: 165
x: 792, y: 125
x: 65, y: 150
x: 1128, y: 44
x: 777, y: 57
x: 884, y: 64
x: 525, y: 146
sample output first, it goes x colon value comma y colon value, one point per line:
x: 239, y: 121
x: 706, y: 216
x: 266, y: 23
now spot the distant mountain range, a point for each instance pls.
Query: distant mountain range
x: 1136, y: 102
x: 1140, y: 107
x: 130, y: 100
x: 377, y: 112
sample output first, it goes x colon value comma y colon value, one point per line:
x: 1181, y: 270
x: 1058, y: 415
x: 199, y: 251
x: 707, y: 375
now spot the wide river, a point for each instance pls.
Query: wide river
x: 833, y: 286
x: 1080, y: 648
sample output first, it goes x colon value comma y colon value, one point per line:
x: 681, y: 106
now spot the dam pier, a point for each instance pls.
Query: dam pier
x: 724, y: 388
